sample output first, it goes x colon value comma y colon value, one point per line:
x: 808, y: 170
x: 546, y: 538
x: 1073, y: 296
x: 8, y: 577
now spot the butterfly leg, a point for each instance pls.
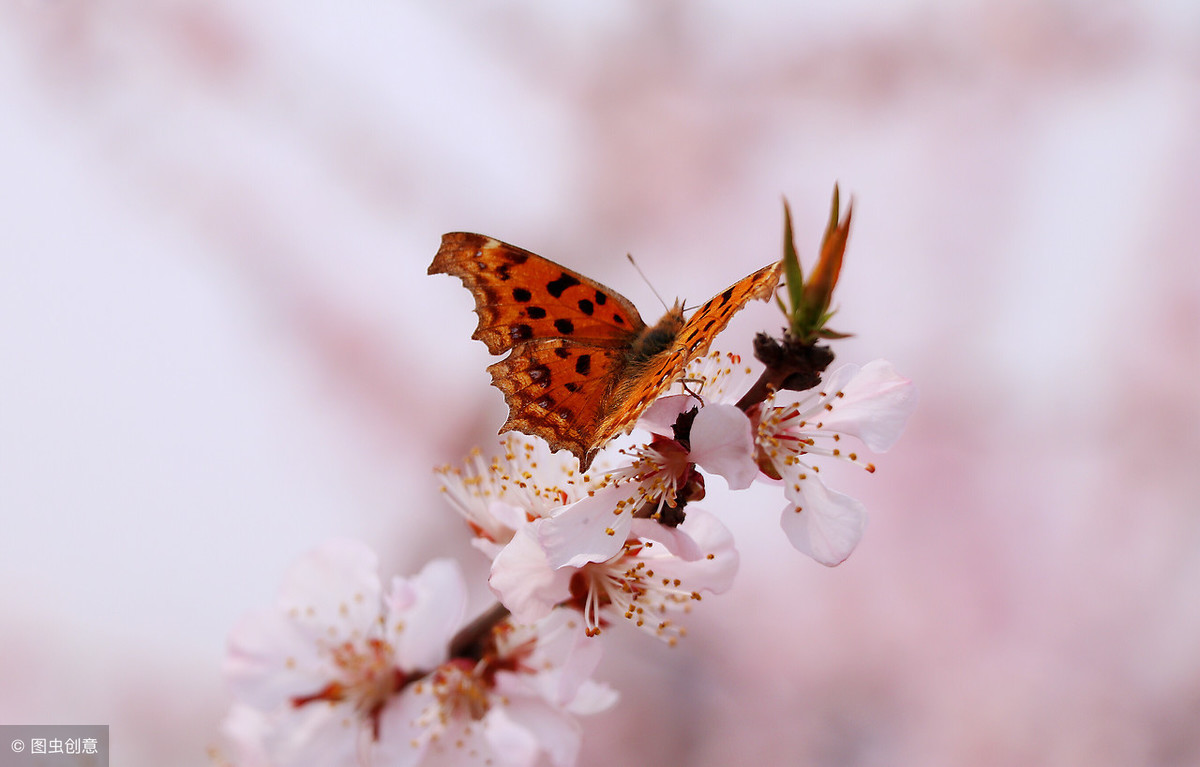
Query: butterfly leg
x: 688, y: 390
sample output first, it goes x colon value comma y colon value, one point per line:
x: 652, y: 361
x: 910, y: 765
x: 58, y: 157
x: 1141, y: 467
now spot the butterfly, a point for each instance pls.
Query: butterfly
x: 582, y: 365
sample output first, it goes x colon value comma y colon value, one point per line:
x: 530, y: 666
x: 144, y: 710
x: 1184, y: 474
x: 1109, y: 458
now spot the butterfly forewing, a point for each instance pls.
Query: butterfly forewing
x: 712, y: 317
x: 520, y: 296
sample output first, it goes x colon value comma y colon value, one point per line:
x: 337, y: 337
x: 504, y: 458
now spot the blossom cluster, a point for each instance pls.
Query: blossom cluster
x: 345, y: 670
x: 341, y: 672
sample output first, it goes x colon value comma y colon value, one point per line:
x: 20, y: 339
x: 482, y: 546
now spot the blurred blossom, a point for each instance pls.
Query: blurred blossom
x: 339, y: 672
x: 329, y: 662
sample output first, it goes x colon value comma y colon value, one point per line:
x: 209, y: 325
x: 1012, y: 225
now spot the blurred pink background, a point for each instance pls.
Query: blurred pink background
x: 218, y: 345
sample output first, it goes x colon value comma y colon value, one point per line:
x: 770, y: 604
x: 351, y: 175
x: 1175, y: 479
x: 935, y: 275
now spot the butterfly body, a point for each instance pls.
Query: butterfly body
x: 655, y: 339
x: 582, y: 364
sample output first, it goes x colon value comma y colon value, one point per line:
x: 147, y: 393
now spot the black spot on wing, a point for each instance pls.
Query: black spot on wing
x: 558, y: 287
x: 562, y: 352
x: 521, y: 295
x: 601, y: 299
x: 571, y: 386
x: 586, y: 306
x: 536, y: 312
x: 520, y: 332
x: 564, y: 326
x: 540, y: 375
x: 583, y: 364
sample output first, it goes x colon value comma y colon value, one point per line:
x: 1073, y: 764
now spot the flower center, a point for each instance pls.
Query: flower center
x: 459, y: 691
x: 666, y: 479
x: 367, y: 678
x: 627, y: 585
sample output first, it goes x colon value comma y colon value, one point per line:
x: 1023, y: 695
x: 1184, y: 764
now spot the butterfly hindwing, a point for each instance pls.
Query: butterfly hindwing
x: 557, y: 389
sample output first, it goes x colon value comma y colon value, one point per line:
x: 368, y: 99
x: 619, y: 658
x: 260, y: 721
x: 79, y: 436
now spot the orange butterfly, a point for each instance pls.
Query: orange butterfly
x: 583, y: 364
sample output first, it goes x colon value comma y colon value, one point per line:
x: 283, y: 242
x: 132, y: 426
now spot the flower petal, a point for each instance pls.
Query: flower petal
x: 268, y: 661
x: 714, y: 559
x: 247, y: 729
x: 523, y: 579
x: 521, y: 730
x: 424, y: 612
x: 593, y: 697
x: 570, y: 658
x: 674, y: 539
x: 404, y: 738
x: 661, y: 416
x: 722, y: 442
x: 875, y: 404
x: 589, y: 530
x: 824, y: 524
x: 512, y: 745
x: 509, y: 516
x: 332, y: 591
x: 318, y: 587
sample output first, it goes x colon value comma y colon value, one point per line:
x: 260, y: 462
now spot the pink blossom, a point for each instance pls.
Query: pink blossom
x: 339, y: 673
x: 656, y: 572
x: 873, y: 404
x: 520, y: 700
x: 329, y: 659
x: 497, y: 496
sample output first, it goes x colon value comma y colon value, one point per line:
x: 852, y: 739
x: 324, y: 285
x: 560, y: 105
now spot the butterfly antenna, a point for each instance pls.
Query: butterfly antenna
x: 645, y: 280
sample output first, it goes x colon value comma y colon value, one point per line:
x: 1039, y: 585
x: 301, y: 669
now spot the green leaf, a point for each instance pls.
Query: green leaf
x: 793, y: 274
x: 832, y: 226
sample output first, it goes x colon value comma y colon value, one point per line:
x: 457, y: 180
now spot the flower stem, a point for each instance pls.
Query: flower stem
x: 790, y: 364
x: 472, y: 639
